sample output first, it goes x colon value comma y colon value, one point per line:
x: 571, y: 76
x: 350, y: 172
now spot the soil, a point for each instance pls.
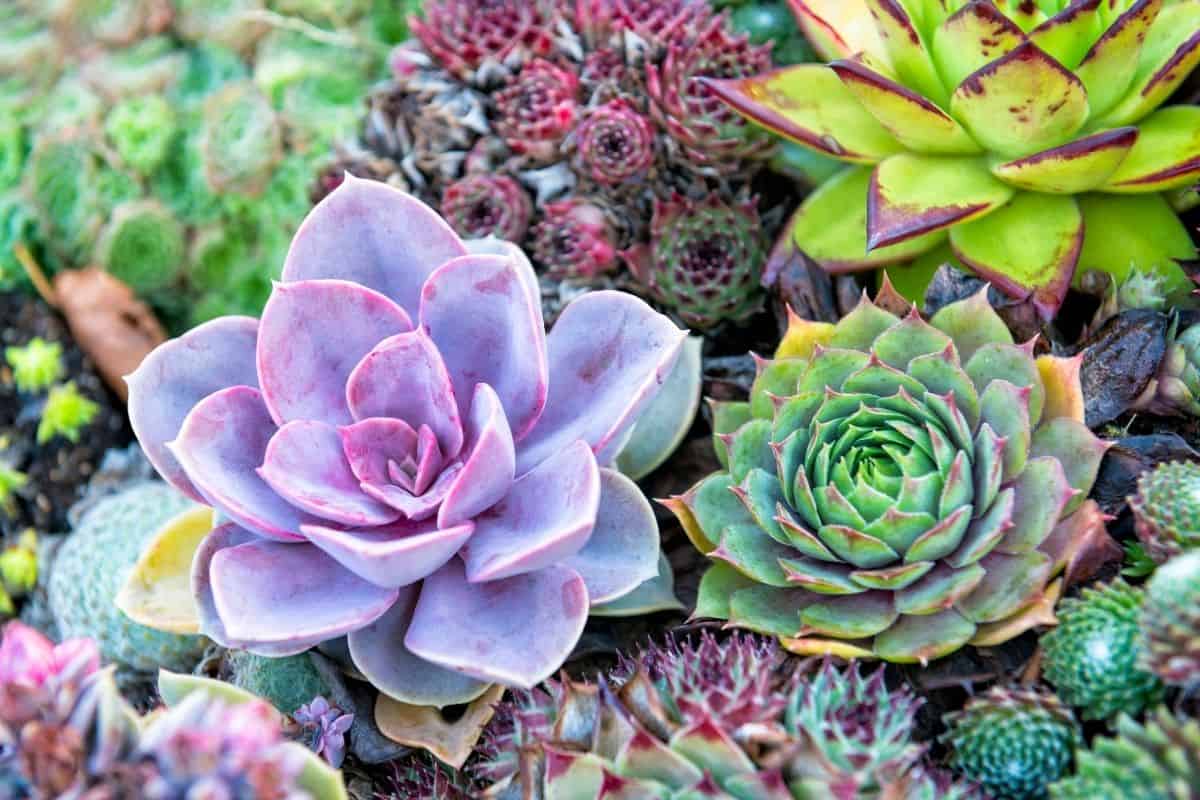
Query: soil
x: 56, y: 472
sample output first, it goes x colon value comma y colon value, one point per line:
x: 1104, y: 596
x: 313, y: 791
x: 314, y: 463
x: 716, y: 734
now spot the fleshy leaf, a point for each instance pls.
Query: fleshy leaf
x: 665, y: 422
x: 1009, y: 583
x: 1127, y: 232
x: 379, y: 654
x: 312, y: 335
x: 1076, y: 448
x: 393, y: 555
x: 1168, y: 55
x: 425, y: 727
x: 175, y: 687
x: 1021, y: 103
x: 656, y: 594
x: 751, y: 552
x: 547, y: 516
x: 717, y: 586
x: 1166, y: 156
x: 491, y: 641
x: 838, y: 27
x: 906, y: 50
x: 809, y: 104
x: 609, y: 354
x: 1069, y: 34
x: 501, y: 342
x: 1028, y: 248
x: 1079, y: 166
x: 972, y: 323
x: 973, y: 36
x: 924, y: 638
x: 490, y: 463
x: 182, y: 372
x: 372, y: 234
x: 912, y: 195
x: 1105, y: 69
x: 158, y: 591
x: 1064, y: 393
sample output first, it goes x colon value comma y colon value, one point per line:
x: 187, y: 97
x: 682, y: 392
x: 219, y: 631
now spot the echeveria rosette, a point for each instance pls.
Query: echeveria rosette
x: 405, y: 457
x: 1026, y: 136
x: 897, y: 488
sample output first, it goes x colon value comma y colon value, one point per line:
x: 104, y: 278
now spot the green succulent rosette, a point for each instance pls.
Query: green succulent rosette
x: 897, y: 488
x: 1022, y: 139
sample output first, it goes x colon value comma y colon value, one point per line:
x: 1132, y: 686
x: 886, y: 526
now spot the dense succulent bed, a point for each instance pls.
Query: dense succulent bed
x: 448, y: 520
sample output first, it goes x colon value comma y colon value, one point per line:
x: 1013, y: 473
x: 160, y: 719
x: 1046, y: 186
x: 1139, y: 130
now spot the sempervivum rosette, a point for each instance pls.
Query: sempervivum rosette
x: 897, y: 488
x: 405, y: 457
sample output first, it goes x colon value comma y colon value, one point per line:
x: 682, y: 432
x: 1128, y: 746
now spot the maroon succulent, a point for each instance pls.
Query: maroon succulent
x: 712, y: 135
x: 462, y: 34
x: 614, y: 143
x: 574, y: 240
x: 538, y: 109
x: 480, y: 205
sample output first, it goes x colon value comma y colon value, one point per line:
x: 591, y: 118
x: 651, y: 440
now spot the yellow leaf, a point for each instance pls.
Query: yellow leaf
x: 158, y: 592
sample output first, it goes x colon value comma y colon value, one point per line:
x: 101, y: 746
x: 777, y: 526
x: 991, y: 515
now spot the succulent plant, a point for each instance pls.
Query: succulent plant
x: 1013, y: 742
x: 1175, y: 390
x: 92, y: 563
x: 1020, y: 139
x: 480, y: 205
x: 1170, y: 622
x: 1142, y: 290
x: 1092, y: 657
x: 770, y: 732
x: 704, y: 259
x: 66, y: 413
x: 588, y: 111
x: 287, y: 682
x: 1143, y: 761
x: 1166, y: 509
x: 897, y: 488
x: 347, y: 502
x: 36, y: 366
x: 325, y: 727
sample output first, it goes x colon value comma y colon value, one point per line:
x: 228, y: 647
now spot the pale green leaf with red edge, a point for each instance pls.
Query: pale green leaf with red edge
x: 1105, y: 70
x: 809, y: 104
x: 1069, y: 34
x: 1169, y: 54
x: 1022, y: 103
x: 1166, y: 156
x: 921, y: 639
x: 1029, y: 248
x: 831, y: 227
x: 838, y: 28
x: 1079, y: 166
x: 906, y: 49
x: 1143, y: 232
x: 914, y: 195
x: 717, y: 587
x: 975, y: 35
x: 916, y: 122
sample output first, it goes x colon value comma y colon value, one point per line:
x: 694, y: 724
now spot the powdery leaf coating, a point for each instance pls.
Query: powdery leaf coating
x: 420, y: 489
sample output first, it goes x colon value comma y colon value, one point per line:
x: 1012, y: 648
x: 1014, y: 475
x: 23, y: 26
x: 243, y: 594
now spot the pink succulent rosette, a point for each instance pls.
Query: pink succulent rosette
x: 405, y: 457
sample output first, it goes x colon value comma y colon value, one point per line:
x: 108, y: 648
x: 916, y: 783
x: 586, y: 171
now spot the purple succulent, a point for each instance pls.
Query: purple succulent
x: 34, y: 671
x: 481, y: 205
x: 538, y: 109
x: 325, y: 726
x: 404, y: 457
x: 574, y: 240
x: 614, y: 143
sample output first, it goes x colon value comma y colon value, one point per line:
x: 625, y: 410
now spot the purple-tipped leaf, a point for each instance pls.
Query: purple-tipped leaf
x: 370, y: 444
x: 547, y: 516
x: 370, y: 233
x: 622, y: 551
x: 312, y: 335
x: 516, y: 631
x: 393, y: 555
x: 489, y: 465
x: 180, y: 373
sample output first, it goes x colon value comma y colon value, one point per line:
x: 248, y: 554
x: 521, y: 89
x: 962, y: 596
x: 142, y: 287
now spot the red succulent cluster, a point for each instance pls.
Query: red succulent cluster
x: 614, y: 143
x: 462, y: 34
x: 482, y: 205
x: 537, y: 109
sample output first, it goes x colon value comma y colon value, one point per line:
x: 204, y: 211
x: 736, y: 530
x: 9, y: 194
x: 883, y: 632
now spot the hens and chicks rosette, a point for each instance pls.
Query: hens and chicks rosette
x: 403, y: 456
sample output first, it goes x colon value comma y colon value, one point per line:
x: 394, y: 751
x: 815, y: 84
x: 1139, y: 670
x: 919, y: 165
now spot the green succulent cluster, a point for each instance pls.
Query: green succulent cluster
x: 1171, y: 622
x: 1092, y: 657
x: 1155, y: 760
x: 1166, y: 510
x: 37, y: 366
x: 176, y: 149
x: 1013, y: 742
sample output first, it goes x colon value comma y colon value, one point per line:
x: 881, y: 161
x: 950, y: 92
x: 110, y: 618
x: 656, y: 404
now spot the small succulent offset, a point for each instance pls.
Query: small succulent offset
x: 1092, y: 657
x: 405, y: 457
x: 1166, y: 510
x: 1022, y: 139
x: 1175, y: 390
x: 65, y: 413
x: 1013, y: 742
x: 36, y: 366
x: 721, y: 720
x: 325, y: 727
x: 897, y: 488
x: 560, y: 126
x: 1170, y: 646
x: 1154, y: 760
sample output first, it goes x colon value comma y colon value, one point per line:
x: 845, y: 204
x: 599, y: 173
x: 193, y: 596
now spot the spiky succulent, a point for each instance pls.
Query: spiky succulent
x: 1155, y: 760
x: 134, y: 149
x: 66, y: 412
x: 1092, y: 657
x: 897, y: 488
x: 593, y: 109
x: 1166, y: 509
x: 36, y: 365
x: 704, y: 259
x: 1020, y: 139
x: 481, y: 205
x: 1170, y: 622
x: 1175, y: 390
x: 643, y: 733
x: 1013, y: 742
x: 405, y: 457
